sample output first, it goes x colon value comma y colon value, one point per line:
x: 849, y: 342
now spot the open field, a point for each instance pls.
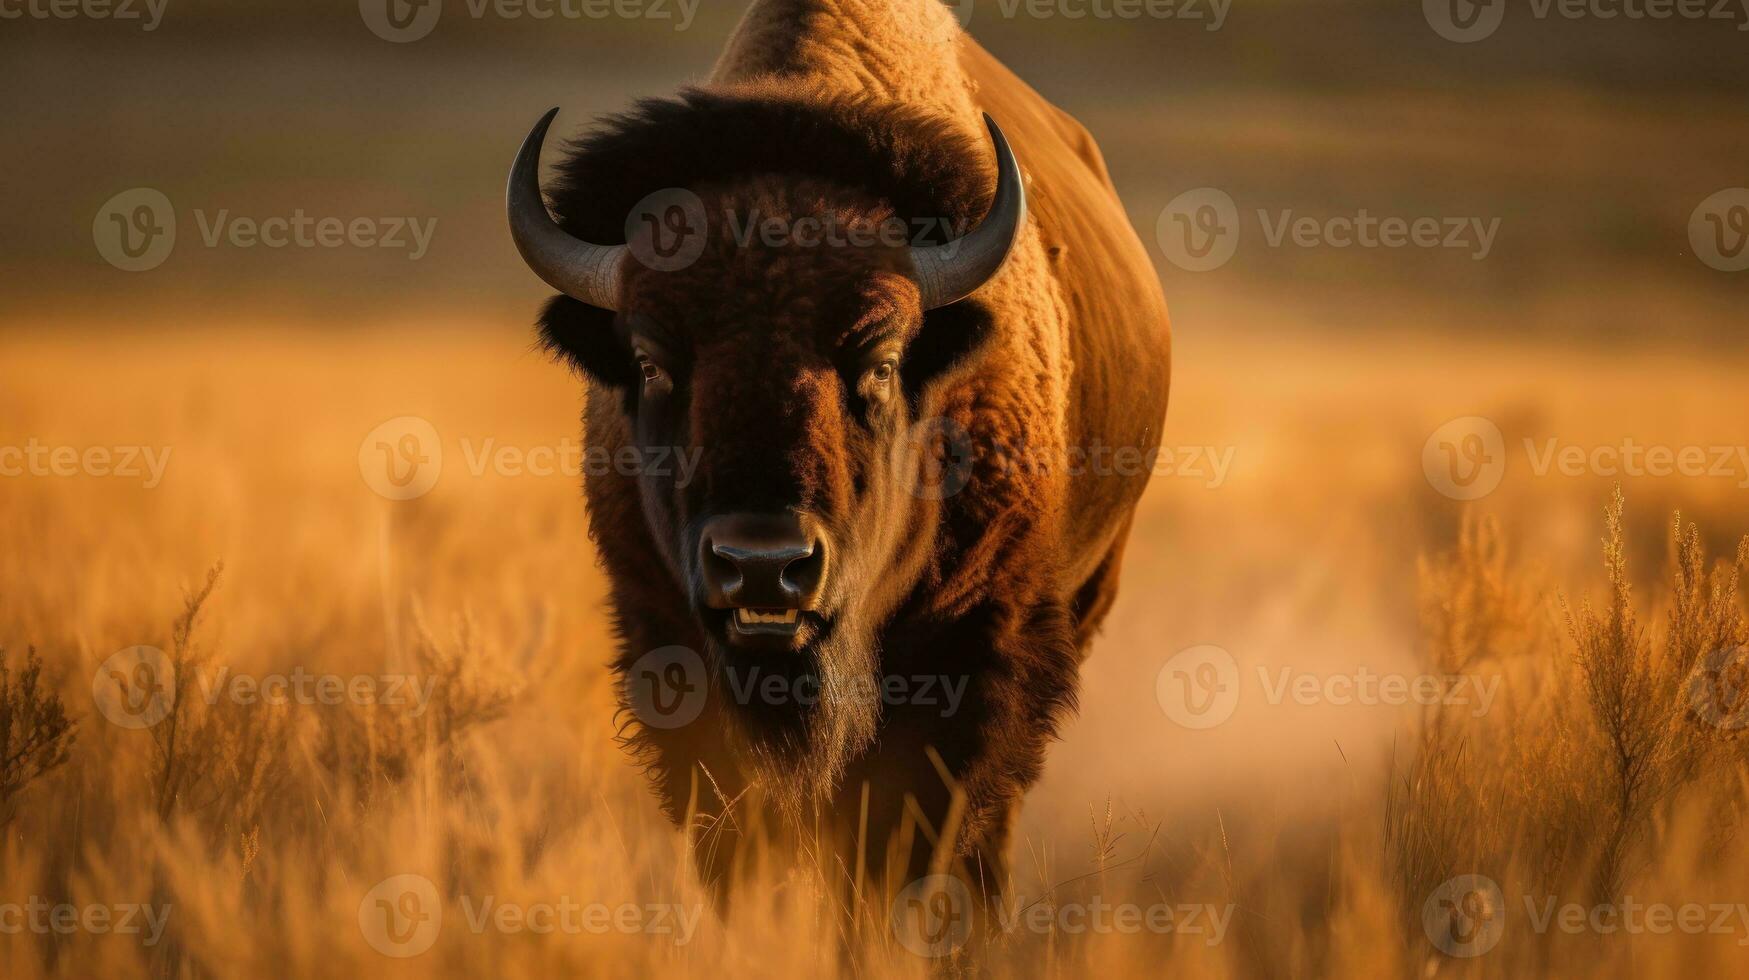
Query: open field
x: 263, y: 830
x: 202, y: 458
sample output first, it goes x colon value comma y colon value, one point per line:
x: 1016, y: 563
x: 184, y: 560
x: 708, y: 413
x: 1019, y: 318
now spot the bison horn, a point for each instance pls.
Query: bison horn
x: 949, y: 273
x: 586, y: 273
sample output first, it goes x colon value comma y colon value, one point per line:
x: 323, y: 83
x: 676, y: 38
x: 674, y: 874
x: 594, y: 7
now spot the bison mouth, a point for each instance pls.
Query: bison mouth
x: 765, y: 628
x: 767, y: 622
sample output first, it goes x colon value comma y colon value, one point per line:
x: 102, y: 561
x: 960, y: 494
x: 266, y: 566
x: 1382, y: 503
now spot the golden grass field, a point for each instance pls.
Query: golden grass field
x: 1319, y: 831
x: 1580, y: 822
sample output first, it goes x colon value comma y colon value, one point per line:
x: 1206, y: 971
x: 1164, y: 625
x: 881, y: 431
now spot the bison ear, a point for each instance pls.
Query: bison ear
x: 585, y: 337
x: 952, y: 339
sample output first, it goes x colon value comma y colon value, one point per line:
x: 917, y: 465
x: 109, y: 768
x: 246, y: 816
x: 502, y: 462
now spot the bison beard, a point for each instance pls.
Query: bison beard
x: 800, y: 721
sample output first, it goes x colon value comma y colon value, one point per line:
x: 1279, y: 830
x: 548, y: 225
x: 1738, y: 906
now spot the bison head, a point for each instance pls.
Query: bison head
x: 793, y: 354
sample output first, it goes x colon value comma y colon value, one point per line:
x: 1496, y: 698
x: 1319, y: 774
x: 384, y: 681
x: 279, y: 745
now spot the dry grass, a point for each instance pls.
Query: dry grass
x: 1594, y: 777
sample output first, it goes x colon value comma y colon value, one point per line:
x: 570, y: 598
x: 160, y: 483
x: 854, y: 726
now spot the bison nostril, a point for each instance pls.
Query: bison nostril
x: 760, y: 561
x: 720, y: 569
x: 803, y: 574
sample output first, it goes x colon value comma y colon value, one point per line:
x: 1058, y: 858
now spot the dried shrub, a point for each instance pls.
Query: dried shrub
x: 35, y: 733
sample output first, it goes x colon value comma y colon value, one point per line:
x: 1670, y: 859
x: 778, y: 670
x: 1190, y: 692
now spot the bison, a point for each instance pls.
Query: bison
x: 873, y: 595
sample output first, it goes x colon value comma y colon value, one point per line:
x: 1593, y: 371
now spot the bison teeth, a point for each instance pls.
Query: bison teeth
x: 757, y: 617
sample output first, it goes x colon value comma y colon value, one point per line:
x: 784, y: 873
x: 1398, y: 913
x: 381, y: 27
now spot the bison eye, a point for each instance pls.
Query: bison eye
x: 653, y: 374
x: 883, y: 372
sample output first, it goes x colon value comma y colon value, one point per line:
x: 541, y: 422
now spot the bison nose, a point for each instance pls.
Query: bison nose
x: 766, y: 561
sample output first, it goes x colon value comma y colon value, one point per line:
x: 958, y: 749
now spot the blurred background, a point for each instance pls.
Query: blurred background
x: 1591, y: 140
x: 1601, y: 151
